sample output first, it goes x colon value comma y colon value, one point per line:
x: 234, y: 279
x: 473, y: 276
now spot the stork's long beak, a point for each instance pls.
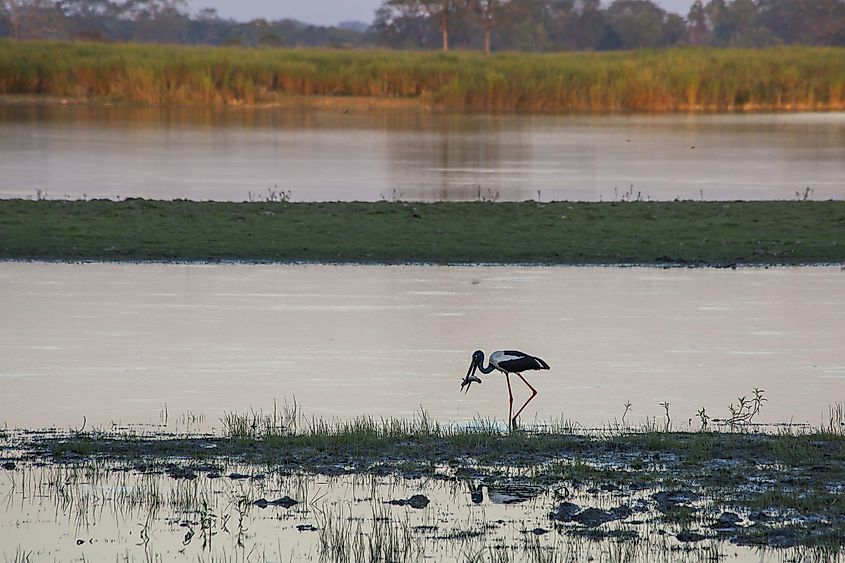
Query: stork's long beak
x: 470, y: 377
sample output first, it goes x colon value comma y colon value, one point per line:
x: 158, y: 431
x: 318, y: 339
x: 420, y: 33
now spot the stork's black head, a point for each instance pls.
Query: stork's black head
x: 477, y: 360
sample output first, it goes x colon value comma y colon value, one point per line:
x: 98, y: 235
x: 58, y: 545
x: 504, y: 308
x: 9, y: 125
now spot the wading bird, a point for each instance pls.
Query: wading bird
x: 507, y: 362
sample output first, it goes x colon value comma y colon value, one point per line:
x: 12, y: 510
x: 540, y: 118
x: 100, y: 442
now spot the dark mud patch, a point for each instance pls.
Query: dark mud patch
x: 414, y: 501
x: 284, y: 502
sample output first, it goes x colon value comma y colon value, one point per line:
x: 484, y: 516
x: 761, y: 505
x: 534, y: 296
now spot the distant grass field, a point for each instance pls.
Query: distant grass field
x: 684, y: 233
x: 677, y: 79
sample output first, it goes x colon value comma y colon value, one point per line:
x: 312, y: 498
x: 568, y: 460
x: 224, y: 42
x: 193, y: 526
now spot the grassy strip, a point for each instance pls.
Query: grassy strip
x: 365, y: 443
x: 287, y: 436
x: 784, y: 78
x: 692, y: 233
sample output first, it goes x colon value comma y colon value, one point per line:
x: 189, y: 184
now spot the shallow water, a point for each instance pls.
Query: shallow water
x: 321, y: 155
x: 97, y: 512
x: 177, y: 346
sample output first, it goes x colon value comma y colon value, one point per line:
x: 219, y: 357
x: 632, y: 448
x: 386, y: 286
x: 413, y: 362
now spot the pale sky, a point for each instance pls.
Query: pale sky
x: 330, y: 12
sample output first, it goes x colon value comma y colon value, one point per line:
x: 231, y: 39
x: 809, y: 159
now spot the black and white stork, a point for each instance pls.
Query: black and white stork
x: 507, y: 362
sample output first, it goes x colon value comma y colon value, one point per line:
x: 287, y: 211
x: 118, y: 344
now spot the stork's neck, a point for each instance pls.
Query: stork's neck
x: 485, y: 370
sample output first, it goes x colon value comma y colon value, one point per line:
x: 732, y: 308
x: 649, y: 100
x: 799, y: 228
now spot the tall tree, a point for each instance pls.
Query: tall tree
x: 717, y: 16
x: 14, y: 9
x: 813, y: 22
x: 394, y: 11
x: 698, y: 30
x: 636, y: 24
x: 493, y: 14
x: 36, y: 19
x: 399, y: 24
x: 575, y: 24
x: 439, y: 9
x: 741, y: 25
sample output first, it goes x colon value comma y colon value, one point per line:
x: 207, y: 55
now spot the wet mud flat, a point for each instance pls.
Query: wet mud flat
x: 380, y: 491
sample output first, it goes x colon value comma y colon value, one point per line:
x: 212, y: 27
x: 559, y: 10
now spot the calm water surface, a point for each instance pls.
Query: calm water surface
x: 321, y: 155
x: 118, y: 343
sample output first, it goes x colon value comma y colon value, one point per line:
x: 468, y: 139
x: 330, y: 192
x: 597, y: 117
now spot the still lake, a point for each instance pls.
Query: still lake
x: 323, y: 155
x: 122, y: 343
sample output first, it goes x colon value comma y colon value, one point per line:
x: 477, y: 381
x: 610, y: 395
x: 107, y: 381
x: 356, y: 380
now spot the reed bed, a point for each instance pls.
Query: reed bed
x: 288, y: 426
x: 676, y: 79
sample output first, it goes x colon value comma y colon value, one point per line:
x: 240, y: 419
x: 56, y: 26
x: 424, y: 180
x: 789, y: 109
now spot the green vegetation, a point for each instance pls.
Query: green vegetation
x: 680, y: 233
x: 686, y: 79
x: 364, y: 443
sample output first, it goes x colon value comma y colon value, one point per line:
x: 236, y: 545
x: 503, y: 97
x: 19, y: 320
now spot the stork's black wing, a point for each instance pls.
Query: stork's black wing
x: 518, y: 362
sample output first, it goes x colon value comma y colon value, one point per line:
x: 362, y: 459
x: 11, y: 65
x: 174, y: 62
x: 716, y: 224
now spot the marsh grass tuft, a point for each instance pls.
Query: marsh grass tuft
x: 274, y: 195
x: 281, y: 422
x: 668, y: 425
x: 744, y: 411
x: 836, y: 419
x: 290, y: 422
x: 628, y: 405
x: 703, y: 417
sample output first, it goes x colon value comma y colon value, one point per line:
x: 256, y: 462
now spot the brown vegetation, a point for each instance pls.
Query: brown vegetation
x: 682, y: 79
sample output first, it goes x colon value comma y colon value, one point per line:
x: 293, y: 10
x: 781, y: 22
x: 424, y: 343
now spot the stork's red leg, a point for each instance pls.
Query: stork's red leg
x: 510, y: 396
x: 533, y: 394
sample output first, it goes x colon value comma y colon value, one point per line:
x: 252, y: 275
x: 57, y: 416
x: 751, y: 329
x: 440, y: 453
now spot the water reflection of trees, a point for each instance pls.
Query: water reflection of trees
x: 457, y: 157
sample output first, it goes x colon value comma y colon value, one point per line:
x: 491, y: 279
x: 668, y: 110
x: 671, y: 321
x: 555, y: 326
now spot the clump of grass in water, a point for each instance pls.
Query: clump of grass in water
x: 21, y: 556
x: 836, y: 419
x: 344, y: 539
x: 256, y: 425
x: 574, y: 548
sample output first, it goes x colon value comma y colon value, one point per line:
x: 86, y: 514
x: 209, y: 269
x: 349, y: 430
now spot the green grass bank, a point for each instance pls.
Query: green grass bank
x: 680, y: 233
x: 677, y: 79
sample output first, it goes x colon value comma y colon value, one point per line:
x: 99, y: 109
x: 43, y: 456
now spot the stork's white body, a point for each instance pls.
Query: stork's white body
x: 507, y: 362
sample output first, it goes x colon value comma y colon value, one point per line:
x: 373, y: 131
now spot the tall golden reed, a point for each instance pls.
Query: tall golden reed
x: 677, y: 79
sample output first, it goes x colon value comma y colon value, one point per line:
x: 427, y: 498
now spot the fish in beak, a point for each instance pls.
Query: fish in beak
x: 470, y: 377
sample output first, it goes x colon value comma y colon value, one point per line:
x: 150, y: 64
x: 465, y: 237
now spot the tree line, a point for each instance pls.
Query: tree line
x: 551, y: 25
x: 163, y: 21
x: 513, y: 25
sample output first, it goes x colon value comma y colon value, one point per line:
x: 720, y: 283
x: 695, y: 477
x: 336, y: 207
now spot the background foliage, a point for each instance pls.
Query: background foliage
x: 520, y: 25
